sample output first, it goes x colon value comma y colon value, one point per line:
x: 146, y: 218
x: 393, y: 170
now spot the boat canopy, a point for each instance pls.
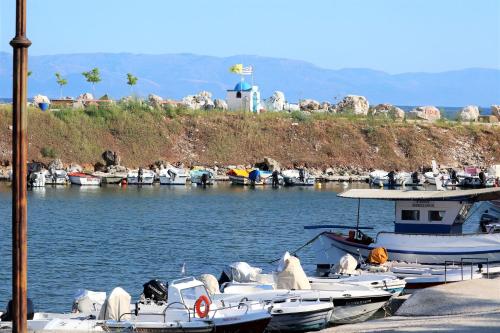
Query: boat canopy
x: 238, y: 172
x: 484, y: 194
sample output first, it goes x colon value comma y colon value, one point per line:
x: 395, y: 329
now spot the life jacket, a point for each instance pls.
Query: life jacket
x: 378, y: 256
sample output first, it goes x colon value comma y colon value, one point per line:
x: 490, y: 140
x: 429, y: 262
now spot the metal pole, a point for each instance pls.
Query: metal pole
x: 20, y: 45
x: 357, y: 221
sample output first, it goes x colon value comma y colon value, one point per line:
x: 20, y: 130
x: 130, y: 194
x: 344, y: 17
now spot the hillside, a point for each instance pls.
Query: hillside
x: 142, y: 136
x: 177, y: 75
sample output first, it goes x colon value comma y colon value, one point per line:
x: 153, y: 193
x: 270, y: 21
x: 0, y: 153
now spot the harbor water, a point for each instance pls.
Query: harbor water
x: 103, y: 237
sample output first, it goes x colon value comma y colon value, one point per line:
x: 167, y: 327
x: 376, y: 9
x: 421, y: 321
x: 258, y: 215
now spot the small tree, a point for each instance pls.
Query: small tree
x: 61, y: 82
x: 131, y: 80
x: 93, y: 76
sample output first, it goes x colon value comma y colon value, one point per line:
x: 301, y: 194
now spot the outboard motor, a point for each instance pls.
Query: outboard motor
x: 7, y: 316
x: 155, y: 290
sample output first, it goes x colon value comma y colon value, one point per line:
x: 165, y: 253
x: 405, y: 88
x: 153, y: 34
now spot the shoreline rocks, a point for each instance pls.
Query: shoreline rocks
x: 429, y: 113
x: 469, y: 113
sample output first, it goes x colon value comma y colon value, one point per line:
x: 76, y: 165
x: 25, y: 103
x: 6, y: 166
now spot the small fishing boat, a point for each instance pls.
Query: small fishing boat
x: 425, y: 221
x: 83, y: 179
x: 351, y: 303
x: 173, y: 176
x: 141, y: 177
x: 260, y: 177
x: 298, y: 178
x: 202, y: 177
x: 238, y: 176
x: 56, y: 177
x: 188, y: 300
x: 36, y: 179
x: 383, y: 178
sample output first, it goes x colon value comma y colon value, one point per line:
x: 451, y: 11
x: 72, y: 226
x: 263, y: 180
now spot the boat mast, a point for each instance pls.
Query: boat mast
x: 20, y: 46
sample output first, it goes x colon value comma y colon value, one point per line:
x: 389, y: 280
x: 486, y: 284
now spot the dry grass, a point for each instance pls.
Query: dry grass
x: 142, y: 136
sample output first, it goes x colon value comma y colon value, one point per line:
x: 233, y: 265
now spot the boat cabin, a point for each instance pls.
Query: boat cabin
x: 427, y: 212
x: 430, y: 217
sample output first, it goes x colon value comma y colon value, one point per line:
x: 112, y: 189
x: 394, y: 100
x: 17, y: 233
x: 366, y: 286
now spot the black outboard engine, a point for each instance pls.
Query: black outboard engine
x: 155, y: 290
x: 7, y: 316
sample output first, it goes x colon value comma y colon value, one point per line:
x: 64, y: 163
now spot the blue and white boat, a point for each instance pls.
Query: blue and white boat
x: 427, y: 229
x: 199, y: 175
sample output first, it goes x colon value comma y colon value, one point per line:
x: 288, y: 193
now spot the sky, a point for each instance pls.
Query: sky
x: 394, y: 36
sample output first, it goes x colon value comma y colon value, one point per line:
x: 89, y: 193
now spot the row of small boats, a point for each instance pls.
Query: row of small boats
x: 469, y: 177
x: 243, y: 299
x: 257, y: 177
x: 171, y: 176
x: 166, y: 176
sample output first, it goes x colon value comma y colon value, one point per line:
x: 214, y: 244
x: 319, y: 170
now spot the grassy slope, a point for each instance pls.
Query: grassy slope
x: 142, y: 136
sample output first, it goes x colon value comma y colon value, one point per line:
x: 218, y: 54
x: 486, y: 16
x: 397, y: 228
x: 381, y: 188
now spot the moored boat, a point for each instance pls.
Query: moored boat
x: 83, y: 179
x: 427, y: 229
x: 298, y: 177
x: 173, y: 176
x: 202, y: 177
x: 140, y: 177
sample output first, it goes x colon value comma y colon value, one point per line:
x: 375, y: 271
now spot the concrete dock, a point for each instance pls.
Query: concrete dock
x: 467, y: 306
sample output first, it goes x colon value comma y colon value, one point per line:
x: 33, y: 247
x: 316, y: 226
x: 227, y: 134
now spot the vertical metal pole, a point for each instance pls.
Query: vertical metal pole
x: 20, y: 45
x: 357, y: 221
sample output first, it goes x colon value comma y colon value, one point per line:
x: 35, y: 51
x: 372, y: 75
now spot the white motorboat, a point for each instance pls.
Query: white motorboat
x: 386, y: 282
x: 36, y: 179
x: 383, y: 178
x: 56, y: 177
x: 202, y: 177
x: 140, y: 177
x: 351, y: 303
x: 296, y: 177
x: 83, y: 179
x: 427, y: 229
x: 188, y: 301
x: 173, y: 176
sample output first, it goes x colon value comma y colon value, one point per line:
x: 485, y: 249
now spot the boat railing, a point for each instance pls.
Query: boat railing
x: 467, y: 261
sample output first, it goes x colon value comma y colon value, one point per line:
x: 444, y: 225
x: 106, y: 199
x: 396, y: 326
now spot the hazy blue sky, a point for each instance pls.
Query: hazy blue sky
x: 390, y: 35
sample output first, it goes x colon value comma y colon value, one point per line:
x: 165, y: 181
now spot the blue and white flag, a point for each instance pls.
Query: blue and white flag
x: 247, y: 70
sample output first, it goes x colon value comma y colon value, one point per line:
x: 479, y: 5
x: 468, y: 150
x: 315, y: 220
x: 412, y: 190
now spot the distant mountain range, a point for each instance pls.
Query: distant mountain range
x: 177, y: 75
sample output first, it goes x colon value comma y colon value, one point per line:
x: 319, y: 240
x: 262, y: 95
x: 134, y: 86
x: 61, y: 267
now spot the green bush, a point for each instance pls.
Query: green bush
x: 48, y: 152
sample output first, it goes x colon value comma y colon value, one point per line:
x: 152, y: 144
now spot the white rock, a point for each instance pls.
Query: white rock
x: 220, y: 104
x: 469, y: 113
x: 388, y: 110
x: 40, y: 99
x: 429, y: 113
x: 309, y: 105
x: 85, y: 97
x: 155, y: 101
x: 353, y: 104
x: 276, y: 102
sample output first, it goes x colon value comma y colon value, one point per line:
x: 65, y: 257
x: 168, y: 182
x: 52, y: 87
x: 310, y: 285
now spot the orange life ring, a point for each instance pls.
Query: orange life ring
x: 197, y: 306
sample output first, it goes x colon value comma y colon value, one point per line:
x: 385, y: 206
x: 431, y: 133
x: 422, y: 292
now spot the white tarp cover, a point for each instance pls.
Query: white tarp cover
x: 347, y: 265
x: 210, y: 283
x: 88, y: 301
x: 242, y: 272
x: 116, y: 305
x: 292, y: 276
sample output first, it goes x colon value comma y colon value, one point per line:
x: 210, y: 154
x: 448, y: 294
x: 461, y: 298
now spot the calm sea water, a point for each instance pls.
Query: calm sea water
x: 100, y: 238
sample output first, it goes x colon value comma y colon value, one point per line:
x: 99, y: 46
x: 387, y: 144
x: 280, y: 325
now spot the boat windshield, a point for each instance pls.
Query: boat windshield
x: 190, y: 295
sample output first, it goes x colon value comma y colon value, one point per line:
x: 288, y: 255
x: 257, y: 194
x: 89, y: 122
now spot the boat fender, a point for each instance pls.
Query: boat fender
x: 197, y: 306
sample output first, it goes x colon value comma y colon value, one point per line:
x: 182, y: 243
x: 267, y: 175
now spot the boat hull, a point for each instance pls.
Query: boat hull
x: 330, y: 247
x: 148, y: 180
x: 299, y: 322
x: 179, y: 180
x: 294, y: 181
x: 356, y: 310
x: 226, y: 325
x: 85, y: 180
